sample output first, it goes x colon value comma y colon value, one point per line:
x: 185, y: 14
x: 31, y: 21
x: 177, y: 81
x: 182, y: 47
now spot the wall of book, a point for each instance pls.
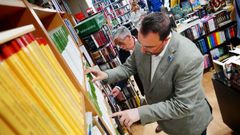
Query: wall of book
x: 99, y: 49
x: 212, y: 31
x: 117, y: 12
x: 48, y: 74
x: 35, y: 89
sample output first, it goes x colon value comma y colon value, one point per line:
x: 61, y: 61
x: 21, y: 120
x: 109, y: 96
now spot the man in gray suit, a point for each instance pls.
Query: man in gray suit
x: 170, y: 67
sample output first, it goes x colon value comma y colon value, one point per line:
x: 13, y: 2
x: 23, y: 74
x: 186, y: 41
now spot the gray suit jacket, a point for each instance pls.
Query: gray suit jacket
x: 175, y: 96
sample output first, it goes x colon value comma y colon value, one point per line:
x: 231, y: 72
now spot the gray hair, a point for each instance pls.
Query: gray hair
x: 121, y: 33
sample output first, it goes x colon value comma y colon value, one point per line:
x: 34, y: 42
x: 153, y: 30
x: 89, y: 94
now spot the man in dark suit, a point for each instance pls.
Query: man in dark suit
x: 126, y: 42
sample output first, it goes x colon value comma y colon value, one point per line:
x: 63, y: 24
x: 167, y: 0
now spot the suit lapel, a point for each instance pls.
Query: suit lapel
x: 165, y: 62
x: 147, y: 70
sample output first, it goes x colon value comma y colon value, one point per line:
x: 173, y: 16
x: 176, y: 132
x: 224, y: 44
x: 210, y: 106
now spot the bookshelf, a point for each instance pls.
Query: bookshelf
x: 18, y: 13
x: 118, y: 12
x: 12, y: 34
x: 211, y: 34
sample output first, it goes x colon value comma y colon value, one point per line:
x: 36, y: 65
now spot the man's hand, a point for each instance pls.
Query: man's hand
x: 128, y: 117
x: 115, y: 91
x: 99, y: 75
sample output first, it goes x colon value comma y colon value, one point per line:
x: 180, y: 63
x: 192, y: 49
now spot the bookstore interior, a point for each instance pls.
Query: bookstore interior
x: 47, y: 46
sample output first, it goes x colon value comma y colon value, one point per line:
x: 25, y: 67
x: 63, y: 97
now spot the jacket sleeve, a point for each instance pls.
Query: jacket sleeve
x: 123, y: 71
x: 187, y: 85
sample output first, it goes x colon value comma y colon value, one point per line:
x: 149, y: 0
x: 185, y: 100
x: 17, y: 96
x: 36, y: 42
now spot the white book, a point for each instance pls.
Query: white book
x: 86, y: 54
x: 95, y: 131
x: 89, y: 122
x: 211, y: 25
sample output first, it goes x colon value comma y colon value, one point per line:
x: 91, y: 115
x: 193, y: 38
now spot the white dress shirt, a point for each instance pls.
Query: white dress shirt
x: 156, y: 59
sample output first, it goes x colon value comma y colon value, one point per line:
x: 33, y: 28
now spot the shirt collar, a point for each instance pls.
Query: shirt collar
x: 165, y: 48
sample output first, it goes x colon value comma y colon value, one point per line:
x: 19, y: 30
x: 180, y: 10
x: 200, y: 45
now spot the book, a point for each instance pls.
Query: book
x: 71, y: 29
x: 207, y: 62
x: 34, y: 92
x: 95, y: 131
x: 69, y: 51
x: 89, y: 122
x: 98, y: 100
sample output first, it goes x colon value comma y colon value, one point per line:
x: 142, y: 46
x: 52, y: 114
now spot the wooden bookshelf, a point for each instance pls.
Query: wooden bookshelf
x: 19, y: 13
x: 13, y: 3
x: 8, y: 35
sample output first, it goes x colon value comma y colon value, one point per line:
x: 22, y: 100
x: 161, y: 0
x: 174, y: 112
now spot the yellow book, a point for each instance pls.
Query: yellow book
x: 34, y: 110
x: 209, y: 43
x: 57, y: 94
x: 218, y: 38
x: 8, y: 69
x: 37, y: 88
x: 5, y: 128
x: 47, y: 51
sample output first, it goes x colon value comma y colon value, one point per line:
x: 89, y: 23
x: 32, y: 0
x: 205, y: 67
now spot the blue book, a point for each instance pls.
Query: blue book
x: 212, y: 41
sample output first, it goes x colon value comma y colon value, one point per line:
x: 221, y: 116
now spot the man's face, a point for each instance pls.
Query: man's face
x: 151, y: 43
x: 126, y: 44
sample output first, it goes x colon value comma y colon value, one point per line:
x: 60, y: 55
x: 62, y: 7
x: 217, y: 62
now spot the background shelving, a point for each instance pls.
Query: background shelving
x: 17, y: 13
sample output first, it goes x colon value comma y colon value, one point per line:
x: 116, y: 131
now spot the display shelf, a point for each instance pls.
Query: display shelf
x: 224, y: 25
x: 8, y: 35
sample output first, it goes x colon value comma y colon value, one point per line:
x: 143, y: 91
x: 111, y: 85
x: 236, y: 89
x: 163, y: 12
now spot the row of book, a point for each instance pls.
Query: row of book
x: 111, y: 64
x: 194, y: 32
x: 61, y: 5
x: 97, y: 98
x: 66, y: 46
x: 207, y: 24
x: 97, y: 39
x: 37, y: 97
x: 74, y: 59
x: 71, y: 29
x: 222, y: 16
x: 104, y: 55
x: 207, y: 61
x: 215, y: 39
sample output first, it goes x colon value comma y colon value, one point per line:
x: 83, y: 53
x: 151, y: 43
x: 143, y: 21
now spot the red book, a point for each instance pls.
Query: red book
x: 215, y: 39
x: 232, y: 32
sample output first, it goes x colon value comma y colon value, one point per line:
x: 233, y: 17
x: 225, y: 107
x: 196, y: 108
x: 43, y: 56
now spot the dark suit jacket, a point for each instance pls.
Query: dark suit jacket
x: 123, y: 55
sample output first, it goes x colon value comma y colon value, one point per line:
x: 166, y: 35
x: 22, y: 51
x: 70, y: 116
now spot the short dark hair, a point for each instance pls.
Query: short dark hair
x: 157, y: 22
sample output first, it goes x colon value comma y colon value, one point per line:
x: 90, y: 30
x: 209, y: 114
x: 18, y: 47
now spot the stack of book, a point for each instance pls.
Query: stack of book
x: 97, y: 39
x: 37, y: 97
x: 216, y: 39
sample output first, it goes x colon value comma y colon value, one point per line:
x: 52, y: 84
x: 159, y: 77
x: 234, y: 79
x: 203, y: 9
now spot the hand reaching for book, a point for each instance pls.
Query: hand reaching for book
x: 99, y: 75
x: 127, y: 117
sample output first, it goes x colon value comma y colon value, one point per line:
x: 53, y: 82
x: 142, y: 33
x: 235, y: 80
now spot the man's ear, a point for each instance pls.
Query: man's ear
x: 129, y: 36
